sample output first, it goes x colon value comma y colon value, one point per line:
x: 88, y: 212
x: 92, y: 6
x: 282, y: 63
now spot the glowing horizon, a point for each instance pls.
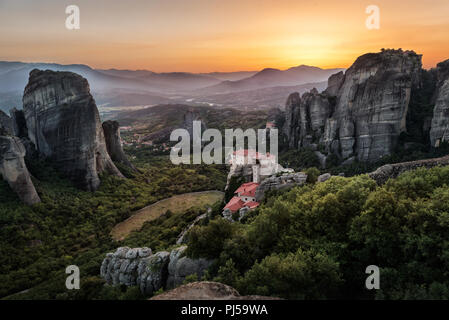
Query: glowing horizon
x: 209, y: 36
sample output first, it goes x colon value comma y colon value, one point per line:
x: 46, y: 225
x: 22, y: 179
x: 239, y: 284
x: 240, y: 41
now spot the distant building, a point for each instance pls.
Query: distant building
x: 263, y: 165
x: 244, y: 200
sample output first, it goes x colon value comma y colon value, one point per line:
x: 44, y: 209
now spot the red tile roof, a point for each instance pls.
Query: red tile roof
x: 252, y: 204
x: 247, y: 189
x: 235, y: 204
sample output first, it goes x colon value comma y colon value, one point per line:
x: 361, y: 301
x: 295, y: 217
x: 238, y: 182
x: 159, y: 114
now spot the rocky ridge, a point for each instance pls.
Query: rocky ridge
x: 150, y: 272
x: 363, y: 112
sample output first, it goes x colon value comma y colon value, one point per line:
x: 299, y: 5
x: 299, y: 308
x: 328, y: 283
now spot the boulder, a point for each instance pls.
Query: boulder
x: 324, y: 177
x: 287, y: 180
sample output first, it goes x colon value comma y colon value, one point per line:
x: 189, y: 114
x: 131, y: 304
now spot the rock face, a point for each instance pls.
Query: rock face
x: 382, y: 174
x: 151, y: 272
x: 361, y: 113
x: 114, y: 143
x: 280, y: 182
x: 6, y: 124
x: 64, y: 125
x: 181, y: 266
x: 14, y: 171
x: 439, y: 131
x: 206, y: 290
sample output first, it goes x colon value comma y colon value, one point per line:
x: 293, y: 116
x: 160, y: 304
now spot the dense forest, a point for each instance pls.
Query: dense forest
x: 315, y: 241
x: 72, y: 226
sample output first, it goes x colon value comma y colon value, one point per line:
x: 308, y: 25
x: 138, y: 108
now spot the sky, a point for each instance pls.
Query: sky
x: 225, y: 35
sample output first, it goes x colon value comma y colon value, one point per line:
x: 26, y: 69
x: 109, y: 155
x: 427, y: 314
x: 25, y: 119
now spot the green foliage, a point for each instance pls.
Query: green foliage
x: 73, y: 227
x: 315, y: 241
x: 312, y: 174
x: 208, y: 241
x: 234, y: 183
x: 190, y: 278
x: 299, y: 159
x: 301, y: 275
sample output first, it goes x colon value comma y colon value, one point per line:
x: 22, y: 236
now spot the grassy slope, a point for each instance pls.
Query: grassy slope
x: 175, y: 204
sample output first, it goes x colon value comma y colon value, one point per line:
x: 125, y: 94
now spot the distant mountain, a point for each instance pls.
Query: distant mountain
x: 273, y: 78
x: 231, y: 76
x: 122, y: 88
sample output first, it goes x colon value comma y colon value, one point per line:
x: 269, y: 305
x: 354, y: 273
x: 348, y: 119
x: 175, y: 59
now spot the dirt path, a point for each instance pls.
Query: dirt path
x: 175, y: 204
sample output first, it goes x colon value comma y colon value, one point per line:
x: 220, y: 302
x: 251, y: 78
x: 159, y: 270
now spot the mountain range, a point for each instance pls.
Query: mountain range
x: 122, y: 88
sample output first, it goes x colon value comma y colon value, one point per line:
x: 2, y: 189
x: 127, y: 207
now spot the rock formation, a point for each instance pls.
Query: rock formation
x: 439, y: 131
x: 206, y: 290
x: 6, y: 125
x: 287, y: 180
x: 14, y: 171
x: 181, y: 266
x: 391, y: 171
x: 64, y: 125
x: 362, y: 112
x: 150, y: 272
x: 114, y: 143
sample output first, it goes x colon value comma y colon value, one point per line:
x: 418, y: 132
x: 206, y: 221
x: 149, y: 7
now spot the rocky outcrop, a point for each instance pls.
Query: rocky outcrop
x: 114, y: 143
x: 181, y: 266
x: 150, y: 272
x: 391, y: 171
x: 6, y: 125
x: 324, y: 177
x: 63, y: 123
x: 14, y: 171
x: 361, y: 113
x: 439, y: 131
x: 206, y: 290
x: 287, y: 180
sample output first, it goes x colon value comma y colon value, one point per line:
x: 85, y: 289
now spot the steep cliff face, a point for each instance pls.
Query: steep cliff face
x: 6, y: 125
x: 64, y: 125
x: 114, y: 143
x: 362, y: 112
x: 14, y: 171
x: 439, y: 131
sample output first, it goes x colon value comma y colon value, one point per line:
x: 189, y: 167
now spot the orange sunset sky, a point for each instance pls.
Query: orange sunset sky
x: 211, y: 35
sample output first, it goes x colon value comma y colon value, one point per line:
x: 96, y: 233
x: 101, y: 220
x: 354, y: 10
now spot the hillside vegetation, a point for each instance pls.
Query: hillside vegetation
x: 315, y: 241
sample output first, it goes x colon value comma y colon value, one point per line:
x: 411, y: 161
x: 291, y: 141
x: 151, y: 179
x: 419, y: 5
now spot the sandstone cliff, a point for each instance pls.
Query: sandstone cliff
x: 14, y: 171
x: 64, y: 125
x: 439, y: 131
x: 114, y: 143
x: 362, y: 112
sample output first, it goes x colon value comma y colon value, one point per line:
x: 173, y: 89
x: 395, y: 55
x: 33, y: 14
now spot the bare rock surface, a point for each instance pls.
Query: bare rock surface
x: 14, y: 171
x: 362, y: 112
x: 114, y: 143
x: 206, y: 290
x: 280, y: 182
x: 439, y: 131
x: 382, y: 174
x: 64, y: 125
x: 150, y: 272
